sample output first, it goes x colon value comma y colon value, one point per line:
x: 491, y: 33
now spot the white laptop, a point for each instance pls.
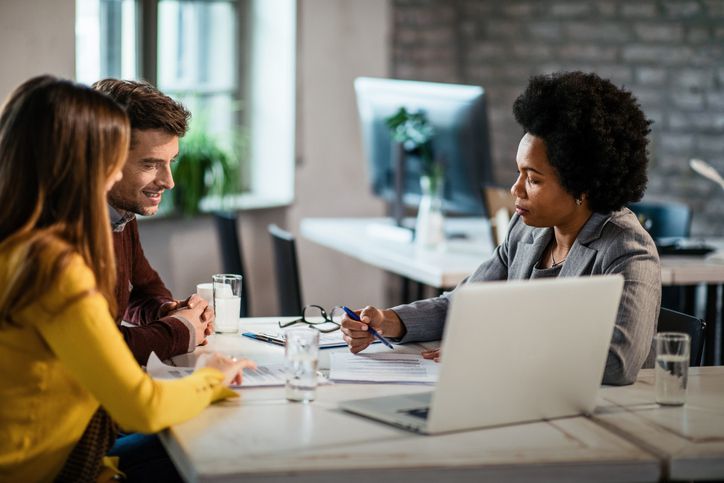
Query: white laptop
x: 512, y: 352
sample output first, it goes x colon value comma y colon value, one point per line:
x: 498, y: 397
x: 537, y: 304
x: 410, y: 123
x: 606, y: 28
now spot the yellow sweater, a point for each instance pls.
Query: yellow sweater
x: 66, y: 357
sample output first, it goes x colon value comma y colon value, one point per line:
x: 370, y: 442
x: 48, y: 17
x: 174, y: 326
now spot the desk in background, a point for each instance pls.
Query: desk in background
x: 262, y: 437
x: 444, y: 269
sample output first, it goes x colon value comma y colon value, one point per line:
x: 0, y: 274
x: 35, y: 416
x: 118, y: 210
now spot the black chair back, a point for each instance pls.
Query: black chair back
x: 232, y: 260
x: 289, y: 289
x: 663, y: 219
x: 672, y: 321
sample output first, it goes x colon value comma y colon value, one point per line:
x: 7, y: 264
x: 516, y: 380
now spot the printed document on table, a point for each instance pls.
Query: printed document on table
x: 382, y: 367
x: 263, y: 375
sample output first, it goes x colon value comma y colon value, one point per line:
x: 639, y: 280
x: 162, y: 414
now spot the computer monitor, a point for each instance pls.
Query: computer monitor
x: 458, y: 116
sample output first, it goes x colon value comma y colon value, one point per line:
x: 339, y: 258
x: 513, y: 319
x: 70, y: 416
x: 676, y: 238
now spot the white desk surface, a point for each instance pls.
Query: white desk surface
x: 443, y: 268
x: 262, y: 437
x: 459, y: 258
x: 690, y: 440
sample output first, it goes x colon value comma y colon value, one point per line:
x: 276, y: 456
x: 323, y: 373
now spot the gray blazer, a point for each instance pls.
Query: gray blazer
x: 607, y: 244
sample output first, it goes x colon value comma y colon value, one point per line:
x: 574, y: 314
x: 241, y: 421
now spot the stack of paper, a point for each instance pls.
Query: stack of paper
x: 266, y: 375
x: 382, y: 367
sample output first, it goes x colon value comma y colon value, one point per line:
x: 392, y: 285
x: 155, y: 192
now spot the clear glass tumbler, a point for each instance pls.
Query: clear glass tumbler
x: 672, y: 367
x: 227, y: 301
x: 302, y: 358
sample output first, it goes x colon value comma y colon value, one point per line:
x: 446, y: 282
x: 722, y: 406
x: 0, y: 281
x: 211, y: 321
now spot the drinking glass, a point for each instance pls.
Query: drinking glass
x: 227, y: 301
x: 302, y: 356
x: 672, y: 367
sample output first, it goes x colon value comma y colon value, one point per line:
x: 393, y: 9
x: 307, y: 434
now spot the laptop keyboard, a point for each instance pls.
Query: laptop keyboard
x: 418, y: 413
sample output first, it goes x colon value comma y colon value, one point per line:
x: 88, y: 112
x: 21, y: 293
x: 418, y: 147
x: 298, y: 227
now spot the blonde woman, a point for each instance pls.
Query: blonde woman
x: 67, y: 375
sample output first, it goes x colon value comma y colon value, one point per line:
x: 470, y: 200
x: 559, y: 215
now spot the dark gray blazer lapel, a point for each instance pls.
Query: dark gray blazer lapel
x: 528, y: 253
x: 578, y: 261
x: 581, y: 255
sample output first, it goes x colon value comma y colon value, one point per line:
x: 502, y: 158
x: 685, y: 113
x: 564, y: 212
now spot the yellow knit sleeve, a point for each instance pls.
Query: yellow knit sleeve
x: 86, y: 340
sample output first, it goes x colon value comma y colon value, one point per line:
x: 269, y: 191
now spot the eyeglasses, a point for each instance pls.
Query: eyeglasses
x: 311, y: 315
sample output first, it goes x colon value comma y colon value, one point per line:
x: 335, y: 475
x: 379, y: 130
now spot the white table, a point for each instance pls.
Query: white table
x: 690, y: 440
x: 362, y: 238
x: 445, y: 268
x: 262, y: 437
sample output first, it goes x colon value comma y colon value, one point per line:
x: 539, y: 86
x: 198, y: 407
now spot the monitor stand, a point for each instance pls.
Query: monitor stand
x: 398, y: 203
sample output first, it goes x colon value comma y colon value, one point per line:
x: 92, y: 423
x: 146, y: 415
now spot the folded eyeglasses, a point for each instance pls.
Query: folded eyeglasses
x: 315, y: 316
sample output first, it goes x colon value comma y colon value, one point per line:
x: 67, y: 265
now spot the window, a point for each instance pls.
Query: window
x: 191, y: 49
x: 106, y: 40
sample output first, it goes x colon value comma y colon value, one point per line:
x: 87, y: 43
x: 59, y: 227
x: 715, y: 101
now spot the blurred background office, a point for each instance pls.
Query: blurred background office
x: 278, y: 76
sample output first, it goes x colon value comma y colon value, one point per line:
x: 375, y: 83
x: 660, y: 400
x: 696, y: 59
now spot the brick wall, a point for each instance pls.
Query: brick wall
x: 670, y: 54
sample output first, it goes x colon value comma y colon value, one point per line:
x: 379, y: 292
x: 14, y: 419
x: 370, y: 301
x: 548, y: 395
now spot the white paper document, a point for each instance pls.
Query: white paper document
x: 266, y: 375
x: 382, y: 367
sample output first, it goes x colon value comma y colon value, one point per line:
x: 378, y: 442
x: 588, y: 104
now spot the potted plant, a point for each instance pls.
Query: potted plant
x: 415, y: 133
x: 202, y: 169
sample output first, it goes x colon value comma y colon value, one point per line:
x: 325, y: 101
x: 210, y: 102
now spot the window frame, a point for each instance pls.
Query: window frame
x: 267, y: 175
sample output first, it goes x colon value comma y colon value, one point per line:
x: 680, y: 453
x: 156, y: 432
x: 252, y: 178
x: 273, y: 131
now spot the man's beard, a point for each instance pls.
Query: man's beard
x: 134, y: 207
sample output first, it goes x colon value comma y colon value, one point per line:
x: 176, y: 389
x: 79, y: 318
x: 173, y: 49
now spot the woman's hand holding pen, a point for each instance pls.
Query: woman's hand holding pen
x: 385, y: 322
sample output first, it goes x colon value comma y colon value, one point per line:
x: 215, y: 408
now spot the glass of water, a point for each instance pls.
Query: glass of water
x: 302, y: 356
x: 227, y: 301
x: 672, y: 367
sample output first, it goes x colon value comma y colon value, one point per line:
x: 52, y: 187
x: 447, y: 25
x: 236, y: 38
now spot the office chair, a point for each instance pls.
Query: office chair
x: 232, y: 260
x: 495, y: 198
x: 672, y: 321
x: 663, y: 219
x: 289, y: 289
x: 668, y: 220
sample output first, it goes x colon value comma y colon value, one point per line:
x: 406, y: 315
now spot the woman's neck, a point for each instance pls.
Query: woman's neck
x: 565, y: 234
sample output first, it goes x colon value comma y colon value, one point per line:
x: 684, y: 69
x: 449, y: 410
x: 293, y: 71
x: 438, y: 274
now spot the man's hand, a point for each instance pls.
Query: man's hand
x: 169, y: 307
x: 196, y: 311
x: 207, y: 316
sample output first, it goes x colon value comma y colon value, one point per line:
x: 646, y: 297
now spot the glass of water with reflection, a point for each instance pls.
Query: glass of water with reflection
x: 301, y: 356
x: 672, y: 367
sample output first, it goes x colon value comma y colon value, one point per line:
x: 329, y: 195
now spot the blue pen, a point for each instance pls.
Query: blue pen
x: 372, y: 331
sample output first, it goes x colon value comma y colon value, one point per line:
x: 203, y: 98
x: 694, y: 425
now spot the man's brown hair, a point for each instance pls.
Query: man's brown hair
x: 146, y: 106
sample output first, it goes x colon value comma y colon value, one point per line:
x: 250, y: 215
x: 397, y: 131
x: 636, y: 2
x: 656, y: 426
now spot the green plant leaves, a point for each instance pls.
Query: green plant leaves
x: 415, y: 133
x: 202, y: 169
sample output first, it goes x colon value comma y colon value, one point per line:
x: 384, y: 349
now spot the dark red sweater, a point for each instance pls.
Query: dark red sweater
x: 139, y: 294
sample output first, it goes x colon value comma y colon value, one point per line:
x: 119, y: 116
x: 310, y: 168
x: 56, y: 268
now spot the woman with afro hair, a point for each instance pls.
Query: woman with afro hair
x: 581, y: 159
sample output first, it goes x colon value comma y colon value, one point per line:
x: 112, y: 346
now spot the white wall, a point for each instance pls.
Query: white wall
x: 36, y: 37
x: 339, y: 40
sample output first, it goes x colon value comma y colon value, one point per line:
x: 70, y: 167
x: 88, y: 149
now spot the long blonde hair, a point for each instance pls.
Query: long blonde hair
x: 59, y: 144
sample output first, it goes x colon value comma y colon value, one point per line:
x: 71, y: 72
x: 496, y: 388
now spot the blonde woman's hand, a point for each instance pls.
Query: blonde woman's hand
x: 232, y: 367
